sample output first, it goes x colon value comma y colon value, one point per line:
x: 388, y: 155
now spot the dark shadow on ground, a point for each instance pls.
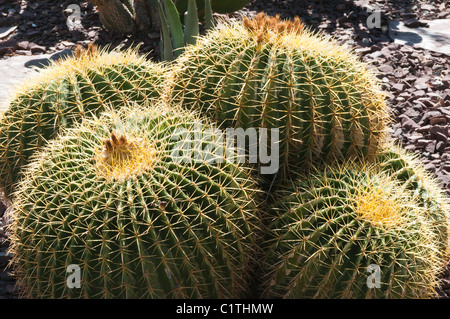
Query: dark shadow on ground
x: 42, y: 63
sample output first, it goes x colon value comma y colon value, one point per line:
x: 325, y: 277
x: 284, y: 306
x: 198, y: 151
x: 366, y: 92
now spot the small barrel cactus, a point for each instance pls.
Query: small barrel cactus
x: 351, y: 231
x: 113, y: 198
x: 270, y: 73
x: 66, y: 92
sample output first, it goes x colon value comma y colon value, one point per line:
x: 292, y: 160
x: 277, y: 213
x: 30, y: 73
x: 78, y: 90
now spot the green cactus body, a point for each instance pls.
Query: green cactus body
x: 407, y: 170
x: 116, y: 15
x: 139, y: 222
x: 332, y: 229
x: 269, y: 73
x: 66, y: 92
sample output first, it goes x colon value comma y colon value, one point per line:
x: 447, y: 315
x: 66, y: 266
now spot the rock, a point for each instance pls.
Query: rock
x: 408, y: 123
x: 4, y: 257
x: 2, y: 209
x: 431, y: 147
x: 438, y: 120
x: 427, y: 116
x: 410, y: 147
x: 440, y: 146
x: 23, y: 45
x: 398, y: 87
x: 418, y: 93
x: 438, y: 85
x: 92, y: 34
x: 429, y: 167
x: 439, y: 130
x: 422, y: 143
x: 411, y: 113
x: 11, y: 43
x: 436, y: 38
x: 441, y: 137
x: 423, y: 129
x: 37, y: 49
x: 428, y: 7
x: 387, y: 69
x: 7, y: 31
x: 23, y: 52
x: 363, y: 51
x: 421, y: 86
x: 33, y: 33
x: 414, y: 23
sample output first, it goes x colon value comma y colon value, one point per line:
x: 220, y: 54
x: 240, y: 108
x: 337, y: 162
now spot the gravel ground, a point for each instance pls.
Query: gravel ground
x: 417, y: 81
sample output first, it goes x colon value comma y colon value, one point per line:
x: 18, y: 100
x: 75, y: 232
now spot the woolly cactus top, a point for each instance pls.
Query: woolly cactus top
x: 122, y: 157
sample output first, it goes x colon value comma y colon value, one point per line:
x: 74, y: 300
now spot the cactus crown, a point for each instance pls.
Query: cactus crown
x: 263, y: 25
x: 382, y: 201
x: 377, y: 206
x: 92, y: 50
x: 122, y: 157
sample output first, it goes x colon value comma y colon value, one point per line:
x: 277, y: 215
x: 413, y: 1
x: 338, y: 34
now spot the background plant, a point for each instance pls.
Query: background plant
x: 127, y: 16
x: 173, y: 36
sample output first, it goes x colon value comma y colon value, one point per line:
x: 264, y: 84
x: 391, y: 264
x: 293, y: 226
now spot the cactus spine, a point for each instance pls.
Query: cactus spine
x: 269, y: 73
x: 138, y: 222
x: 65, y: 93
x: 333, y: 225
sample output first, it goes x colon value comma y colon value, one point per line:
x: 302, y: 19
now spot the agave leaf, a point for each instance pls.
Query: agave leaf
x: 191, y: 28
x: 166, y: 42
x: 209, y: 20
x: 175, y: 27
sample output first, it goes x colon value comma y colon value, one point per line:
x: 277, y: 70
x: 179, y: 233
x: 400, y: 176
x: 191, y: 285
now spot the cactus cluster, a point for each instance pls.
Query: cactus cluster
x: 115, y: 171
x: 66, y: 92
x: 110, y: 197
x: 269, y: 73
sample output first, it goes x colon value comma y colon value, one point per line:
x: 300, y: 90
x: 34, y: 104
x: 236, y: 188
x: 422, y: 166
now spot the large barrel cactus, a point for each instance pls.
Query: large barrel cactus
x: 66, y: 92
x: 275, y: 74
x: 114, y: 198
x: 353, y: 231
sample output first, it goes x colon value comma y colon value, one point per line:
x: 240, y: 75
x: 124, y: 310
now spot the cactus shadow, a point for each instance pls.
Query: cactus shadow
x: 44, y: 62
